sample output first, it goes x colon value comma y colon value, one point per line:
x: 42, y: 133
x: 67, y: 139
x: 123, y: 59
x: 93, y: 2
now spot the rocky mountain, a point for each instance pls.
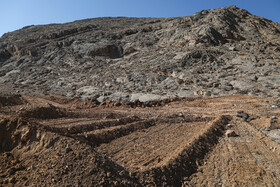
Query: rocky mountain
x: 84, y: 139
x: 225, y: 51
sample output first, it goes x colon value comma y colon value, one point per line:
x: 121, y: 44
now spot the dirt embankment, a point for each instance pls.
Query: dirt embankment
x: 46, y: 142
x: 30, y: 155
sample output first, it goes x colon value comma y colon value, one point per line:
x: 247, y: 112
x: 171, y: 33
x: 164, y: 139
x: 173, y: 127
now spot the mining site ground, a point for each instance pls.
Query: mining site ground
x: 218, y: 141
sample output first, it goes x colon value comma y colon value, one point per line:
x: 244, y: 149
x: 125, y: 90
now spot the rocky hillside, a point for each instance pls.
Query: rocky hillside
x: 225, y: 51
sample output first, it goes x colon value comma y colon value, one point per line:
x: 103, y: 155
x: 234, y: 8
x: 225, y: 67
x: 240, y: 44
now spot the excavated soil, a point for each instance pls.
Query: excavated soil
x: 52, y: 141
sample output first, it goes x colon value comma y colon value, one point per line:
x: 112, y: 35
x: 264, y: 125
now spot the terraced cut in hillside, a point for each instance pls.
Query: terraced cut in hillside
x: 223, y: 141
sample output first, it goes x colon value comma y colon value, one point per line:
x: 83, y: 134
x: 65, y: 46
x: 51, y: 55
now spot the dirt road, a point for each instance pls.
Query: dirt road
x: 250, y: 159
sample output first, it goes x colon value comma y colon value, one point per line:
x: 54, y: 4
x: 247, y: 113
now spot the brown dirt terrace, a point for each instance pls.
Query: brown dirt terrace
x: 53, y: 141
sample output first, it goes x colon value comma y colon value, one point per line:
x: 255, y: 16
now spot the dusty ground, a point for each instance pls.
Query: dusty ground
x: 55, y: 141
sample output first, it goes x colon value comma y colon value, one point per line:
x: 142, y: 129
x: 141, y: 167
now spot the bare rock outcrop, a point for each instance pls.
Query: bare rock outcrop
x: 225, y: 51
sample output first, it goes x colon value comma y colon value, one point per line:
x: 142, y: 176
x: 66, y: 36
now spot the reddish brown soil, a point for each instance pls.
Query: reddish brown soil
x: 58, y: 142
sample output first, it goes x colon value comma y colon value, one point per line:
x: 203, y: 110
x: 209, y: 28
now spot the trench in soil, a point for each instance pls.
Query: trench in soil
x: 156, y: 151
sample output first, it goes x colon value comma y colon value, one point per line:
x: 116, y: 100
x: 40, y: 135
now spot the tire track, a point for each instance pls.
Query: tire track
x: 245, y: 160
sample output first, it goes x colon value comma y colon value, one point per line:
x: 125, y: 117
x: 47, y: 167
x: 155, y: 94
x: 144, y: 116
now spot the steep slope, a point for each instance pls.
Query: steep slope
x: 222, y: 51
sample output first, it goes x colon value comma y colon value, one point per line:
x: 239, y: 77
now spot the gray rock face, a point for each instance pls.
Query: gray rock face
x: 120, y: 97
x: 241, y: 85
x: 109, y: 50
x: 145, y: 98
x: 223, y: 51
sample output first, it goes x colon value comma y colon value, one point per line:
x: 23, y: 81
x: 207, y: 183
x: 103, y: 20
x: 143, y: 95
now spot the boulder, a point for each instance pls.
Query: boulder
x: 168, y: 82
x: 274, y: 123
x: 120, y: 97
x: 88, y: 93
x: 146, y: 98
x: 128, y: 49
x: 229, y: 126
x: 246, y: 117
x: 87, y: 90
x: 185, y: 93
x: 101, y: 99
x: 230, y: 133
x: 241, y: 85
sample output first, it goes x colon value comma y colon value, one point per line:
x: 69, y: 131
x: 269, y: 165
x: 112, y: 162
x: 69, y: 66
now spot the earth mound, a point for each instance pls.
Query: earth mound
x: 30, y: 155
x: 11, y: 100
x: 49, y: 112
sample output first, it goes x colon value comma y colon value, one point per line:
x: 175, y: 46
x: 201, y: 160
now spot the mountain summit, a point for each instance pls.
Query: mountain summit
x: 214, y: 52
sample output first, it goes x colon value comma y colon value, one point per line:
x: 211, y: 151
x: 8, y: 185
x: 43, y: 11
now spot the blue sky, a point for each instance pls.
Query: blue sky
x: 16, y: 14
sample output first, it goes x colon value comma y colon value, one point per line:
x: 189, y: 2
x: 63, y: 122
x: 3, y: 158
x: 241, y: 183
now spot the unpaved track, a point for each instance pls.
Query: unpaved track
x: 246, y: 160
